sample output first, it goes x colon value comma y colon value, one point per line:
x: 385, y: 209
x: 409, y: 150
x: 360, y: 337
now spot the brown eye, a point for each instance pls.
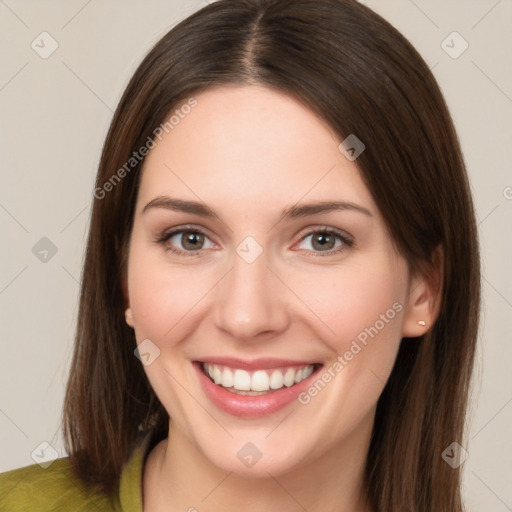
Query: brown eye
x: 185, y: 241
x: 323, y: 241
x: 192, y: 240
x: 326, y: 241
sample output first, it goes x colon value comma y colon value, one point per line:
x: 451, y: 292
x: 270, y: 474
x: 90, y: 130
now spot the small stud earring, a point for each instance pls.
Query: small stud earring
x: 422, y: 322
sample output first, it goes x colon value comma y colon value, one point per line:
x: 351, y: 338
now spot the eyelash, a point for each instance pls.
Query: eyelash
x: 347, y: 242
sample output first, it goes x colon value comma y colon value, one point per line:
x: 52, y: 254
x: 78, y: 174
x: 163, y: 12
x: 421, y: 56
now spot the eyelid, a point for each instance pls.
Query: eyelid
x: 164, y: 237
x: 346, y: 238
x: 326, y: 229
x: 186, y: 227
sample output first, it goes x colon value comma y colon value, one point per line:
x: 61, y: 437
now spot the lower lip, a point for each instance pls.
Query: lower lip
x: 251, y: 406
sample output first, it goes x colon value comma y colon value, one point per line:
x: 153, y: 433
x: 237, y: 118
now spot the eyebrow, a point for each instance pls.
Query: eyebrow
x: 290, y: 212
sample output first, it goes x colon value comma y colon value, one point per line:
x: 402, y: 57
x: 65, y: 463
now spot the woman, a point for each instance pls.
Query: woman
x: 308, y: 345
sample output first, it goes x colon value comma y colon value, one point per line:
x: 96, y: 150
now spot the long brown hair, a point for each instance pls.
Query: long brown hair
x: 359, y: 74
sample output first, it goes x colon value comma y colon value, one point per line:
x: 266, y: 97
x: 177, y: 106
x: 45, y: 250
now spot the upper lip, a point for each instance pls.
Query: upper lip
x: 263, y: 363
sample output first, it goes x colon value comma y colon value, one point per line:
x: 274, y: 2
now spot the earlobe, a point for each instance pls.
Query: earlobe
x: 425, y: 293
x: 128, y: 315
x: 418, y: 316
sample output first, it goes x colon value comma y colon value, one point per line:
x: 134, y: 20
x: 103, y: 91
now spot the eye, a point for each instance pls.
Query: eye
x: 185, y: 241
x: 190, y: 241
x: 327, y: 240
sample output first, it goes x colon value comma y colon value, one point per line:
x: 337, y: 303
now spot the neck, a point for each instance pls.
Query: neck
x: 177, y: 476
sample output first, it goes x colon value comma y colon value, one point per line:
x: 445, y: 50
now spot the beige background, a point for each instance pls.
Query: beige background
x: 54, y: 116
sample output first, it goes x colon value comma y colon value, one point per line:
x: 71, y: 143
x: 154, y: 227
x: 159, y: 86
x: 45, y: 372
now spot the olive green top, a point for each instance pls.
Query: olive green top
x: 57, y: 489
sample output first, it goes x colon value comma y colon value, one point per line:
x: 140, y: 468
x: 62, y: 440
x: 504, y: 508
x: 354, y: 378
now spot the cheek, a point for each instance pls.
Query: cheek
x: 359, y: 316
x: 162, y: 297
x: 361, y: 303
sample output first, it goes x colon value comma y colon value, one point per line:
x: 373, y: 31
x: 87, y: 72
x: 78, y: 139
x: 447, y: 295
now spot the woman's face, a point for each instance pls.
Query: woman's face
x: 218, y: 273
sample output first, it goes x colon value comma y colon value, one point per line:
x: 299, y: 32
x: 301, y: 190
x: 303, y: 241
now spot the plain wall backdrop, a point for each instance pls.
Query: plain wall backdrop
x: 63, y: 68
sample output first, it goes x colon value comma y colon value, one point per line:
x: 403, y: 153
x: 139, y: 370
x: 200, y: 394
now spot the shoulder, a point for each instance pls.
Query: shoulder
x: 54, y: 488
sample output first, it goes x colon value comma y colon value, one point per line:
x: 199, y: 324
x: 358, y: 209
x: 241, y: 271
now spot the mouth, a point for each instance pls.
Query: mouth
x: 254, y: 389
x: 257, y: 382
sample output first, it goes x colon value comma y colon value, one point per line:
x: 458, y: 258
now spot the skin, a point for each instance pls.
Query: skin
x: 248, y: 152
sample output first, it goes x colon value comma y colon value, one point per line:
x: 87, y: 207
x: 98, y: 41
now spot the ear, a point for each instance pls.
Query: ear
x: 128, y: 315
x: 425, y: 294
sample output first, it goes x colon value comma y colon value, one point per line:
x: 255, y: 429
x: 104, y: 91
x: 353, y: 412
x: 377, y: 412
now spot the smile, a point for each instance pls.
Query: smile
x: 252, y: 382
x: 253, y: 389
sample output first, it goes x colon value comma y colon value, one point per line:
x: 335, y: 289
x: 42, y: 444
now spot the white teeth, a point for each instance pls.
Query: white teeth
x: 276, y: 380
x: 241, y: 380
x: 217, y: 375
x: 227, y: 378
x: 289, y: 377
x: 260, y: 380
x: 307, y: 372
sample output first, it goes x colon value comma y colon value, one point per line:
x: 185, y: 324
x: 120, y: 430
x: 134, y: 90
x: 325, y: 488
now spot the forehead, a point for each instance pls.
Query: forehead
x: 254, y: 145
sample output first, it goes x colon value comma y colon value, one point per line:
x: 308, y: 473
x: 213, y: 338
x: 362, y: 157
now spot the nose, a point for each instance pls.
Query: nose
x: 251, y: 301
